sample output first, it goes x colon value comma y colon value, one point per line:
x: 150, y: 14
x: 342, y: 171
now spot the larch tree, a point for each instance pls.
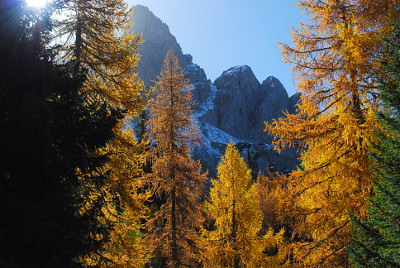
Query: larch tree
x: 96, y: 35
x: 51, y: 140
x: 126, y: 195
x: 376, y: 242
x: 334, y: 60
x: 235, y: 240
x: 176, y: 178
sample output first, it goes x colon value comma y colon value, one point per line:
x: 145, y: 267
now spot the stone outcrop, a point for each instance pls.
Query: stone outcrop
x: 201, y: 85
x: 232, y: 109
x: 157, y: 41
x: 293, y: 101
x: 242, y: 104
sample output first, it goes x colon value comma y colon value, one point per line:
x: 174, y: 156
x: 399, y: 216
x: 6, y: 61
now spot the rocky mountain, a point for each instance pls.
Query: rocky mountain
x: 242, y: 104
x: 232, y: 109
x: 157, y: 41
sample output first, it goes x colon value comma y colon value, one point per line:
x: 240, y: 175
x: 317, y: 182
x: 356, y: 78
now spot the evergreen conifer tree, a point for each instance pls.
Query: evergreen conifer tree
x: 49, y: 149
x: 140, y: 127
x: 376, y: 242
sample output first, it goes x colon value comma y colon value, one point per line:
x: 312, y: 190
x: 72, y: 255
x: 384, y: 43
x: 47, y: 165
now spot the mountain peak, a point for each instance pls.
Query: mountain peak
x: 237, y: 69
x: 233, y: 108
x: 157, y: 41
x: 238, y: 77
x: 272, y: 82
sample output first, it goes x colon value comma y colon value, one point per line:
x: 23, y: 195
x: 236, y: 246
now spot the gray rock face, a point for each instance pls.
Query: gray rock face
x: 237, y: 106
x: 275, y: 99
x: 292, y: 103
x: 236, y: 102
x: 242, y: 104
x: 232, y: 109
x: 157, y: 41
x: 200, y: 83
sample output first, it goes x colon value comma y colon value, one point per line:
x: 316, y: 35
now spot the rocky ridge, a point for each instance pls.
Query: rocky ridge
x: 232, y: 109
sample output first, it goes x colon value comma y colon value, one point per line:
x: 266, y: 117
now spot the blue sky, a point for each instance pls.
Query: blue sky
x: 223, y: 33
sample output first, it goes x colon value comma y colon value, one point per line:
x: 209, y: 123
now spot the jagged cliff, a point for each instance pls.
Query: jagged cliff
x: 157, y: 41
x: 242, y: 104
x: 232, y: 109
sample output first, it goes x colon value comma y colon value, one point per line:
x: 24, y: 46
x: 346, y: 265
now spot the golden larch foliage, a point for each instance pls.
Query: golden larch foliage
x: 334, y: 59
x: 176, y: 178
x: 127, y: 196
x: 236, y: 241
x: 96, y: 35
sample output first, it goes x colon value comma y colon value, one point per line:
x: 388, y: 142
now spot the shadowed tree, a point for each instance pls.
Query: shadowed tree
x: 50, y: 143
x: 376, y: 242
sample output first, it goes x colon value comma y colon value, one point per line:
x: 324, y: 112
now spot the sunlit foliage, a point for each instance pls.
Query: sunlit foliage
x: 334, y: 59
x: 96, y: 35
x: 236, y: 241
x: 175, y: 177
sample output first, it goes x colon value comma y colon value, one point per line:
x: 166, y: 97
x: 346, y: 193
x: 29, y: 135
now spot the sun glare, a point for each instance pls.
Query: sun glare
x: 37, y: 3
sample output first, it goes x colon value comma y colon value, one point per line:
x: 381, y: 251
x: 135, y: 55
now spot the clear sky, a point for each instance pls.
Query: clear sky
x: 220, y: 34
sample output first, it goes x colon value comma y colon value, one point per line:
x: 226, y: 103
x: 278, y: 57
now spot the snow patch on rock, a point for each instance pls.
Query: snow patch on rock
x: 235, y: 70
x: 208, y: 105
x: 214, y: 134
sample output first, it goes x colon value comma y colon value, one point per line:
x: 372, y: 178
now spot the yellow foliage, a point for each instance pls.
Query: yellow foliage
x: 334, y: 60
x: 125, y: 183
x: 97, y: 36
x: 172, y: 231
x: 234, y: 206
x: 103, y: 44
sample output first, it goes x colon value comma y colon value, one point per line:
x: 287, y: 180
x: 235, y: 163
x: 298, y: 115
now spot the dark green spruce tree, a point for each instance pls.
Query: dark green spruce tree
x: 376, y: 242
x: 140, y: 126
x: 49, y: 137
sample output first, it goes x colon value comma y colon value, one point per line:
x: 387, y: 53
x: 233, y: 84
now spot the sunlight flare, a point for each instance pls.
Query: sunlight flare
x: 37, y: 3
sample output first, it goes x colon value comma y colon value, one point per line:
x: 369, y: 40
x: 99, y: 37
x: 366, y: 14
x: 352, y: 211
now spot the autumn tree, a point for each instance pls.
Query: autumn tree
x: 334, y: 59
x: 97, y: 36
x: 235, y: 240
x: 51, y: 140
x: 376, y: 242
x: 126, y: 197
x: 173, y: 230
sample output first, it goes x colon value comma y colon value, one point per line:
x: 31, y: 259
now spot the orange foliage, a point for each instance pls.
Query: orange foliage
x: 172, y: 231
x: 96, y: 35
x: 334, y: 60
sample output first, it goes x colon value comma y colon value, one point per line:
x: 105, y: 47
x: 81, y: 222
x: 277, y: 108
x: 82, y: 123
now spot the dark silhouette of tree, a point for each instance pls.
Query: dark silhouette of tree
x: 376, y: 242
x: 49, y: 149
x: 140, y: 126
